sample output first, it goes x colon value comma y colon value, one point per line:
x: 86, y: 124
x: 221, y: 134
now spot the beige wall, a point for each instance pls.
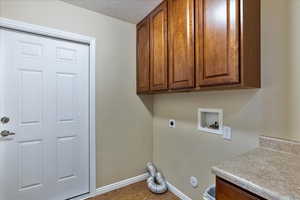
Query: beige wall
x: 294, y: 68
x: 124, y: 121
x: 185, y: 151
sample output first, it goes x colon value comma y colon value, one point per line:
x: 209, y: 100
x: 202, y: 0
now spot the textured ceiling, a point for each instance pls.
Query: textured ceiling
x: 129, y: 10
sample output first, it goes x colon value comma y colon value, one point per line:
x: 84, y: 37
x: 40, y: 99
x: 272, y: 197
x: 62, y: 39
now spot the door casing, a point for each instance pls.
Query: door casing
x: 55, y: 33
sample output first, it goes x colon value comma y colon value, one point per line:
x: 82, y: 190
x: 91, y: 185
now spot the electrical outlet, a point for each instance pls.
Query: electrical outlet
x: 172, y: 123
x: 194, y: 182
x: 227, y: 133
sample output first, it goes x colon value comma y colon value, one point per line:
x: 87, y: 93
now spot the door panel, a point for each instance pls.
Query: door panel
x: 65, y: 97
x: 22, y: 157
x: 71, y: 119
x: 44, y: 92
x: 31, y: 96
x: 181, y: 44
x: 143, y: 56
x: 31, y: 164
x: 217, y: 42
x: 159, y: 48
x: 65, y: 158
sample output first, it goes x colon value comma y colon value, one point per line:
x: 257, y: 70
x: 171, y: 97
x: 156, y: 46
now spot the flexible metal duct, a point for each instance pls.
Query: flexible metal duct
x: 156, y: 182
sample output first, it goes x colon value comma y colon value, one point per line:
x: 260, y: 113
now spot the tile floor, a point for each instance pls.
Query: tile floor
x: 137, y: 191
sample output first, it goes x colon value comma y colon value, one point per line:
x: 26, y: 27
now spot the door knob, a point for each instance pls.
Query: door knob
x: 6, y: 133
x: 4, y: 120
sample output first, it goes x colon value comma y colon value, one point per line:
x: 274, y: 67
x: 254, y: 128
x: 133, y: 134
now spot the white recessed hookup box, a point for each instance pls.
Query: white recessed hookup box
x: 210, y: 120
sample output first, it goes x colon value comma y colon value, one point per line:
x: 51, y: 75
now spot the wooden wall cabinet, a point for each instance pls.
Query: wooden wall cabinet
x: 159, y: 48
x: 218, y: 46
x: 181, y: 44
x: 228, y: 43
x: 228, y: 191
x: 200, y: 45
x: 143, y: 57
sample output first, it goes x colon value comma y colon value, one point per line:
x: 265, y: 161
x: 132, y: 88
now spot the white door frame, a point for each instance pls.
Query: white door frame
x: 54, y: 33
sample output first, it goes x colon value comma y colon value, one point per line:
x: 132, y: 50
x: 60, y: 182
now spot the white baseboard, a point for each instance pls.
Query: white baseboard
x: 177, y: 192
x: 121, y: 184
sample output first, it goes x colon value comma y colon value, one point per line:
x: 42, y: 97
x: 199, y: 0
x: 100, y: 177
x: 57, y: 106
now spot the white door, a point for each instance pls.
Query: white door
x: 44, y: 91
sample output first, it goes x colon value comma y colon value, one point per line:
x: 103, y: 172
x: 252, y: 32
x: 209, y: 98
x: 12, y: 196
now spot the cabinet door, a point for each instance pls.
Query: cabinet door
x: 181, y: 44
x: 217, y: 42
x: 159, y: 48
x: 143, y: 56
x: 228, y: 191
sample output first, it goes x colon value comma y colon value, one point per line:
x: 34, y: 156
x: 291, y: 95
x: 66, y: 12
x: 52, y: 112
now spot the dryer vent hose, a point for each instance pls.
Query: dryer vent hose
x: 156, y: 182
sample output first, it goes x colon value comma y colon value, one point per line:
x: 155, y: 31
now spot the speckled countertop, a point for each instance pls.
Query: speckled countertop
x: 271, y: 171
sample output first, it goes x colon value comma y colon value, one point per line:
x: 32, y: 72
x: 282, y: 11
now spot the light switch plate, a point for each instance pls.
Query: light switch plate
x: 226, y: 132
